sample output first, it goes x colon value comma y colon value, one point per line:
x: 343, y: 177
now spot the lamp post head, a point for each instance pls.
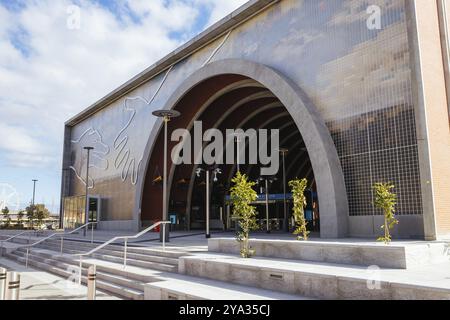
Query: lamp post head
x: 166, y: 114
x: 88, y: 148
x: 283, y: 151
x: 216, y: 172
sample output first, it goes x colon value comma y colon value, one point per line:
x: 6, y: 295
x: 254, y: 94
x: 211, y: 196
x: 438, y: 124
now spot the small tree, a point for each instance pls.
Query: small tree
x: 386, y: 200
x: 31, y: 212
x: 298, y: 195
x: 6, y: 217
x: 42, y: 214
x: 20, y: 218
x: 242, y: 195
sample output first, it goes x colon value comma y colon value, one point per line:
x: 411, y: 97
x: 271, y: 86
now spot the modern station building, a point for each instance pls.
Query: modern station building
x: 358, y: 91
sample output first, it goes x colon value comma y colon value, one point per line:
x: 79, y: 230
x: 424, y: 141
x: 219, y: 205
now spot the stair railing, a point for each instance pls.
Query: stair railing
x: 12, y: 238
x: 62, y: 235
x: 125, y: 238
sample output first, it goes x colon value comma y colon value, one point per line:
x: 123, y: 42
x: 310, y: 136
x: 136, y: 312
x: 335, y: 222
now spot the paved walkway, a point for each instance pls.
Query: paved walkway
x: 40, y: 285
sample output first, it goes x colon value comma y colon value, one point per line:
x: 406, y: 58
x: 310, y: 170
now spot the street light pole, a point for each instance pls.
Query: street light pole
x: 266, y: 180
x: 286, y: 222
x: 88, y: 149
x: 166, y: 115
x: 267, y: 206
x: 208, y: 234
x: 237, y: 138
x: 215, y: 171
x: 34, y: 189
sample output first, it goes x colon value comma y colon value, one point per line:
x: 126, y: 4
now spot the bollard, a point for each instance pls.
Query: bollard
x: 13, y: 283
x: 2, y: 283
x: 92, y: 278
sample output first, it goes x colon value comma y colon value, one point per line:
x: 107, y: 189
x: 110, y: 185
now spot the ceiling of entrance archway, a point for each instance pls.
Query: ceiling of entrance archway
x: 225, y: 102
x: 249, y: 106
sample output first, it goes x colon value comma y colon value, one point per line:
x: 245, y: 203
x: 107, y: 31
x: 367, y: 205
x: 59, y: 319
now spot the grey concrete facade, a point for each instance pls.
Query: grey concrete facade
x: 360, y: 113
x: 325, y: 161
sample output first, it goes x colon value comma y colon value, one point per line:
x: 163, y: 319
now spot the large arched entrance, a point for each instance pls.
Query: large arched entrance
x: 232, y: 94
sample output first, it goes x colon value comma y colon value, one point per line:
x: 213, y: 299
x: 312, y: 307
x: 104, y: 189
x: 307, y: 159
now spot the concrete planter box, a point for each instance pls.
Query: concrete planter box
x: 397, y: 255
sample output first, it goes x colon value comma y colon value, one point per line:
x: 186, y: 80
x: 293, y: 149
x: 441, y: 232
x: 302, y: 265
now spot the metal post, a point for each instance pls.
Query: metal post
x: 2, y: 283
x: 164, y: 238
x: 238, y: 140
x: 92, y: 233
x: 164, y: 218
x: 62, y: 244
x: 208, y: 234
x: 80, y: 272
x: 92, y: 278
x: 1, y: 248
x: 286, y: 222
x: 34, y: 189
x: 125, y: 254
x: 166, y: 115
x: 87, y: 188
x: 26, y: 259
x: 221, y: 217
x: 13, y: 289
x: 267, y: 206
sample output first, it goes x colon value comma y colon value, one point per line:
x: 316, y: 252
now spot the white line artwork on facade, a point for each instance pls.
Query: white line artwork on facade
x: 128, y: 159
x: 98, y: 157
x: 129, y: 152
x: 213, y: 54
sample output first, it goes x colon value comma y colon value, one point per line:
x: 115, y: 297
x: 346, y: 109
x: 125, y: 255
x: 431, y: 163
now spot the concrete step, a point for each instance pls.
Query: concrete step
x: 73, y: 249
x: 138, y: 263
x: 202, y: 289
x: 155, y: 251
x: 111, y: 283
x: 116, y: 277
x: 119, y: 259
x: 104, y: 267
x: 193, y: 288
x: 322, y: 280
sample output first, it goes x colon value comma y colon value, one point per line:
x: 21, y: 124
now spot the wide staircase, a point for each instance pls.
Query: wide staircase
x: 281, y: 270
x: 150, y: 272
x: 112, y: 277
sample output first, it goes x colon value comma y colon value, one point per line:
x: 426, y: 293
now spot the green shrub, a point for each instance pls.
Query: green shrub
x: 298, y: 195
x: 386, y: 200
x: 242, y: 195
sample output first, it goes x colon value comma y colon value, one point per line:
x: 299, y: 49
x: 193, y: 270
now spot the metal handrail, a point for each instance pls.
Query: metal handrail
x: 57, y: 234
x: 13, y: 237
x: 81, y: 255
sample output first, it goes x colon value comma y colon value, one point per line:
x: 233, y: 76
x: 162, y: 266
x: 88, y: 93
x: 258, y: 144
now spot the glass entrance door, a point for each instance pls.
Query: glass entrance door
x: 94, y: 209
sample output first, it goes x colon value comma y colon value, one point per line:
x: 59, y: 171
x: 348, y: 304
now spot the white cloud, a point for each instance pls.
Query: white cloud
x: 16, y: 139
x: 49, y: 72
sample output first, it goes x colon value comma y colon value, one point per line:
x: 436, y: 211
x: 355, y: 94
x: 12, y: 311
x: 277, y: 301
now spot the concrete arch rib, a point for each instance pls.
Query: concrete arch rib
x: 321, y: 149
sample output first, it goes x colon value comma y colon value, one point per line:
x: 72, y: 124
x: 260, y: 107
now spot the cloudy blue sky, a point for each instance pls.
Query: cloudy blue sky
x: 51, y: 70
